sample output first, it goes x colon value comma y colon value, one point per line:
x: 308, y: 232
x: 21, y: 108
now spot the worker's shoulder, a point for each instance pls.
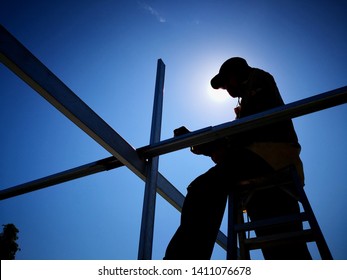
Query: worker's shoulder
x: 260, y: 73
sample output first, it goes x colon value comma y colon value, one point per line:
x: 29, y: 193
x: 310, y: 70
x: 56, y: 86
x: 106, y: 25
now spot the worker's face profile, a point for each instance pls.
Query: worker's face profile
x: 232, y: 87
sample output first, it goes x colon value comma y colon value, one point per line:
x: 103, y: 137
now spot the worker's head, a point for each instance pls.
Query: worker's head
x: 232, y: 74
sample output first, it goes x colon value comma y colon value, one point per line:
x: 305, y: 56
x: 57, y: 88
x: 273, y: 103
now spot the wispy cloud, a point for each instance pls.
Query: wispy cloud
x: 152, y: 11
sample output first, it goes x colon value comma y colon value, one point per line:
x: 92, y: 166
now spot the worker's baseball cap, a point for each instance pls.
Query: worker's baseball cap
x: 236, y: 65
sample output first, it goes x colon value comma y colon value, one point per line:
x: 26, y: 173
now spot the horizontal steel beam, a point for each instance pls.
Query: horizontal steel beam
x: 302, y: 107
x: 289, y: 111
x: 295, y: 109
x: 61, y: 177
x: 164, y: 188
x: 168, y: 192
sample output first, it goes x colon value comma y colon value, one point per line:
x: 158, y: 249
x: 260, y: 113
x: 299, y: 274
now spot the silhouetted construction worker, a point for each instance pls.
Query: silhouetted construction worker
x: 255, y: 153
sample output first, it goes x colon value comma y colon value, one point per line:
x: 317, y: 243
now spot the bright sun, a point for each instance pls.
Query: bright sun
x: 219, y: 95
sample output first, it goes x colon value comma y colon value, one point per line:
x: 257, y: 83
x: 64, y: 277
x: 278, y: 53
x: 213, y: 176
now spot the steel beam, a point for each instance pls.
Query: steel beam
x: 289, y: 111
x: 61, y: 177
x: 148, y: 212
x: 302, y: 107
x: 23, y: 63
x: 164, y: 187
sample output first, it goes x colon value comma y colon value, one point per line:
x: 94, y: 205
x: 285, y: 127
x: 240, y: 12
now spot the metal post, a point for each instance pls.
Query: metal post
x: 148, y: 212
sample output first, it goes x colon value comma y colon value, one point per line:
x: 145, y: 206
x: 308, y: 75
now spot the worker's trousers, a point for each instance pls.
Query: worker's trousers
x: 204, y: 207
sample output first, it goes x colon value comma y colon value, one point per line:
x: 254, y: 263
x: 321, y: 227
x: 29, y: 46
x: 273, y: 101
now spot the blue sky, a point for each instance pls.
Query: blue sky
x: 106, y: 52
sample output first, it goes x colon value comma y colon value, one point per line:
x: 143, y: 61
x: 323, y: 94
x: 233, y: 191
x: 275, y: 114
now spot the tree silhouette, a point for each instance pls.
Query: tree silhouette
x: 8, y: 244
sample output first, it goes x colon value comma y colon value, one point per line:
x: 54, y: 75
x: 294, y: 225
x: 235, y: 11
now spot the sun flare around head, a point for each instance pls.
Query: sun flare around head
x: 218, y: 95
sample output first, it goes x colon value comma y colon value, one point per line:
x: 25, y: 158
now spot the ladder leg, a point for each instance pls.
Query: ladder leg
x: 320, y: 240
x: 244, y: 251
x: 232, y: 251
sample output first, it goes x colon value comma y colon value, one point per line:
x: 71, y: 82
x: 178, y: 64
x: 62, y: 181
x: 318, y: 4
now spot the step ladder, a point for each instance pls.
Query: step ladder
x: 289, y: 181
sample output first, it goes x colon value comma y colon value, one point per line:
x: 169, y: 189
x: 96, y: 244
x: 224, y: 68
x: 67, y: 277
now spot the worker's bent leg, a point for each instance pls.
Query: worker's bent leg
x: 202, y: 214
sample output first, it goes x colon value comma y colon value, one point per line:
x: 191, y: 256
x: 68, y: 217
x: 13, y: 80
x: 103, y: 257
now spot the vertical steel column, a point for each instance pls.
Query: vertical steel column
x: 148, y: 212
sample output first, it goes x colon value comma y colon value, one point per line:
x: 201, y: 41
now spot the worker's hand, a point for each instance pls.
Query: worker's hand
x: 196, y: 150
x: 181, y: 131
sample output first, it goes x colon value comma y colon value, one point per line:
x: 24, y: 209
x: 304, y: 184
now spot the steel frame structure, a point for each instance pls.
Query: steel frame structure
x: 142, y: 161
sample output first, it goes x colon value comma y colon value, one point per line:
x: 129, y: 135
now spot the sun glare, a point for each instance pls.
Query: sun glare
x: 219, y: 95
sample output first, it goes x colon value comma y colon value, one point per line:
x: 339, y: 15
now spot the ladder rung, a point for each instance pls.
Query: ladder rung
x: 271, y: 240
x: 270, y: 222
